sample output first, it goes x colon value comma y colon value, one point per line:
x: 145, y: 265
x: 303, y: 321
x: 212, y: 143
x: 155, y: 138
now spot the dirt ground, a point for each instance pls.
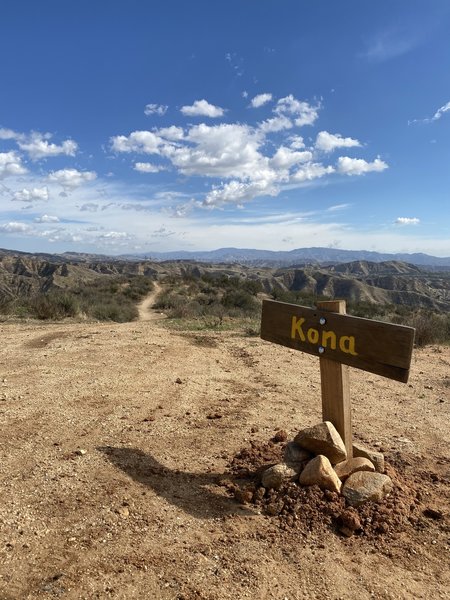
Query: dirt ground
x: 112, y: 440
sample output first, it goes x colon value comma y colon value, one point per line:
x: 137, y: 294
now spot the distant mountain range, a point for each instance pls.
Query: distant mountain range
x: 254, y: 257
x: 292, y: 257
x: 373, y: 282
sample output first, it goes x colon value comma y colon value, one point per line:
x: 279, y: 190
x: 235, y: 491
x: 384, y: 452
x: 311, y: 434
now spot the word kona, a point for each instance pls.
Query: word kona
x: 324, y: 339
x: 381, y: 348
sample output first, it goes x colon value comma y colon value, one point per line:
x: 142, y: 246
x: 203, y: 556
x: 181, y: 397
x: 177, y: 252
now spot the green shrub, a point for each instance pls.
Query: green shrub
x: 240, y: 299
x: 53, y: 305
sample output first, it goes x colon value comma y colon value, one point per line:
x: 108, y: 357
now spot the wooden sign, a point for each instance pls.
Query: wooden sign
x: 373, y: 346
x: 339, y: 340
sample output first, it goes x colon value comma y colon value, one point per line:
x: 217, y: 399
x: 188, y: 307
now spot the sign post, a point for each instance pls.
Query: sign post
x: 335, y: 386
x: 339, y: 340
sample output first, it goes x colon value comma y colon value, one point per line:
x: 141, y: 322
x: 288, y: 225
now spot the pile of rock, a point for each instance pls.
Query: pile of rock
x: 317, y: 456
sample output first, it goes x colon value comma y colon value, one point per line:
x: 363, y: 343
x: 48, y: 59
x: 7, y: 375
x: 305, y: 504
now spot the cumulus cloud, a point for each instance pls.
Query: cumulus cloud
x: 302, y: 112
x: 38, y: 147
x: 260, y: 100
x: 311, y: 171
x: 172, y: 133
x: 28, y: 195
x: 296, y: 142
x: 115, y: 235
x: 238, y: 192
x: 11, y: 164
x: 202, y: 108
x: 155, y: 109
x: 9, y: 134
x: 407, y: 221
x: 247, y: 158
x: 138, y: 141
x: 275, y: 124
x: 359, y: 166
x: 46, y: 219
x: 225, y: 150
x: 71, y: 178
x: 145, y: 167
x: 327, y: 142
x: 286, y: 157
x: 15, y: 227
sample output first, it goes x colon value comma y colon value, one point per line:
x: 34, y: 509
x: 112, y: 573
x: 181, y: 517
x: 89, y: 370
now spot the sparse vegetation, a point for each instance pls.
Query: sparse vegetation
x: 107, y: 298
x: 217, y: 297
x: 211, y: 303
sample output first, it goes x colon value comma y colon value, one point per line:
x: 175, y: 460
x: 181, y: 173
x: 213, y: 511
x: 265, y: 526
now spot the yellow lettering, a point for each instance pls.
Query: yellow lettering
x: 331, y: 336
x: 313, y: 336
x: 347, y: 344
x: 297, y: 328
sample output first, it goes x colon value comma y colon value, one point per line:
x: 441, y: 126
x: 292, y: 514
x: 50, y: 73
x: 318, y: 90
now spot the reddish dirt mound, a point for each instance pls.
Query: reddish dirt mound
x: 309, y: 508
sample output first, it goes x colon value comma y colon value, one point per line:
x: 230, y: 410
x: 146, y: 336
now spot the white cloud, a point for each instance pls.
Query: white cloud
x: 28, y: 195
x: 302, y: 112
x: 250, y: 162
x: 338, y: 207
x: 115, y: 235
x: 225, y: 150
x: 275, y: 124
x: 9, y: 134
x: 237, y: 192
x: 145, y: 167
x: 38, y: 147
x: 438, y: 114
x: 358, y: 166
x: 287, y: 158
x: 11, y: 164
x: 71, y: 178
x: 138, y: 141
x: 155, y: 109
x: 172, y: 133
x: 260, y: 100
x: 15, y: 227
x: 327, y: 142
x: 311, y: 171
x: 296, y: 142
x: 407, y: 221
x: 46, y: 219
x: 202, y: 108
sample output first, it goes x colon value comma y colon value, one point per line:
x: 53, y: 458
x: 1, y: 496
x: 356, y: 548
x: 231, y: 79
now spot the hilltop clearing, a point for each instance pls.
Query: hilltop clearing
x: 113, y: 440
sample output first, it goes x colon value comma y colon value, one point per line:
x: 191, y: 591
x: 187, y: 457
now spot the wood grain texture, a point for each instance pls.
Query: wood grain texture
x: 380, y: 348
x: 335, y: 386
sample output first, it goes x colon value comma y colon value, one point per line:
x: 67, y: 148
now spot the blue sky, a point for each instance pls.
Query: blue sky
x: 136, y: 126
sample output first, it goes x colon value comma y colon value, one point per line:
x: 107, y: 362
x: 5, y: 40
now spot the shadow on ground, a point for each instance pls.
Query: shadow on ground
x: 189, y: 491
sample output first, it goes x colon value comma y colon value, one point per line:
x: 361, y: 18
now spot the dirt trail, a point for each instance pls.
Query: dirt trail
x: 111, y: 439
x: 145, y: 307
